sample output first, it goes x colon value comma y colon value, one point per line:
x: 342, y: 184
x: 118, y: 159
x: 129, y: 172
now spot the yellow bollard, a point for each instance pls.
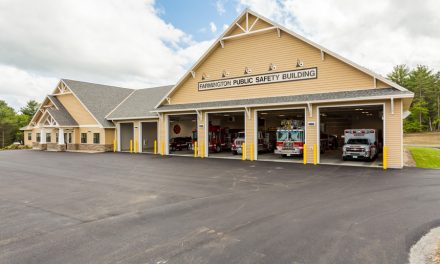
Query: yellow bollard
x: 114, y: 145
x: 155, y: 147
x: 385, y: 157
x: 252, y: 152
x: 305, y: 154
x: 135, y: 147
x: 315, y: 156
x: 131, y: 146
x: 195, y: 149
x: 243, y: 152
x: 202, y: 150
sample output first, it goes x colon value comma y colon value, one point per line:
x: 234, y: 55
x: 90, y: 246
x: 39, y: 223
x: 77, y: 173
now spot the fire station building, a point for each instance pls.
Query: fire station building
x: 259, y: 86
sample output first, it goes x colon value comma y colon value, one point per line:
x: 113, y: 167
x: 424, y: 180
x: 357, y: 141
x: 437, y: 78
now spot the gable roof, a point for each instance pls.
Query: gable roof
x: 139, y: 103
x: 223, y: 37
x: 60, y: 114
x: 98, y: 99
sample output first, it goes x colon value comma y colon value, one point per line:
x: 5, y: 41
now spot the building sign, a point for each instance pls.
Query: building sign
x: 274, y: 77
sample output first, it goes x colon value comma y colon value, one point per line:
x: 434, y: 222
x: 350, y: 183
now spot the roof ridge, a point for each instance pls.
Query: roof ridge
x: 100, y: 84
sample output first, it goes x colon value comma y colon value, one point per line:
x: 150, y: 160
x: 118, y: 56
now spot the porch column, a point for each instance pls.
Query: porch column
x: 61, y: 136
x: 42, y: 136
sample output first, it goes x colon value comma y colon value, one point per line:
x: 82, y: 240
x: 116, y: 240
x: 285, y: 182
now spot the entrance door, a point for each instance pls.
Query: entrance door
x: 126, y: 134
x: 149, y: 135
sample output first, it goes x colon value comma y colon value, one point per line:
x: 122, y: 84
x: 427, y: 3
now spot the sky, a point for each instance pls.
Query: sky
x: 146, y: 43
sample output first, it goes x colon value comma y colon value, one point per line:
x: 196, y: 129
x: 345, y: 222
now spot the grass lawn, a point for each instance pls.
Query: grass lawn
x: 426, y: 157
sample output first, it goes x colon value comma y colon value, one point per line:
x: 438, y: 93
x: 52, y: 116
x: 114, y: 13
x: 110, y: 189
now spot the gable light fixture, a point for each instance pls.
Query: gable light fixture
x: 272, y: 67
x: 247, y: 70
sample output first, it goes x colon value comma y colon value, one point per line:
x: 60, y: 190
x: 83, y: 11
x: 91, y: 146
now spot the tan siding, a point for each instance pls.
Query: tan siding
x: 78, y: 112
x: 109, y: 135
x: 393, y: 137
x: 25, y: 138
x: 90, y: 131
x: 258, y: 52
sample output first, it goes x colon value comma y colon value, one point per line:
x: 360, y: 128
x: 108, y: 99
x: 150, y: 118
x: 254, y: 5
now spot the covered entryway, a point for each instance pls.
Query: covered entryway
x: 280, y: 134
x: 148, y: 136
x: 355, y: 129
x: 182, y: 133
x: 226, y: 134
x: 125, y: 136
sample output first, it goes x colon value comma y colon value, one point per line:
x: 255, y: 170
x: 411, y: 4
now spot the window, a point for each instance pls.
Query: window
x: 56, y: 137
x: 69, y: 138
x: 83, y: 138
x: 38, y: 137
x: 95, y: 138
x: 30, y: 136
x: 48, y: 138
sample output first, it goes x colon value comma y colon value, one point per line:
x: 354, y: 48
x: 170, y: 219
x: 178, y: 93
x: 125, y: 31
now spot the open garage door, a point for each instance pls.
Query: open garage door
x: 280, y: 135
x: 182, y: 132
x: 223, y: 130
x: 148, y: 136
x: 351, y: 135
x: 126, y: 135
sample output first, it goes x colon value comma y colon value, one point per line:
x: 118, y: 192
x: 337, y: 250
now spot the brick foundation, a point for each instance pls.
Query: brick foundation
x: 95, y: 147
x: 36, y: 145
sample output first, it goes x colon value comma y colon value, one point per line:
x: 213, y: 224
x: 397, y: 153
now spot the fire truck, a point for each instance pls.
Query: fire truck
x: 290, y: 138
x: 360, y: 144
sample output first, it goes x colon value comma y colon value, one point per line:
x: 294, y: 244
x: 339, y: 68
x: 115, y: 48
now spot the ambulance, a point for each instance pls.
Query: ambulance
x: 360, y: 144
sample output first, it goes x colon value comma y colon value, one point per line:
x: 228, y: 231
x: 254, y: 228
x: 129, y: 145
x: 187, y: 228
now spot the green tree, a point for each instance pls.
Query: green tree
x: 30, y: 108
x: 400, y: 75
x: 8, y: 124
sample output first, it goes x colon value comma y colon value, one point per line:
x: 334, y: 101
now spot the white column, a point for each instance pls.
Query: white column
x: 42, y: 136
x: 61, y: 136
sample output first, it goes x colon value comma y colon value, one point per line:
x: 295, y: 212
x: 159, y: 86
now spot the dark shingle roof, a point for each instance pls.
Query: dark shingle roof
x: 140, y: 103
x: 98, y: 99
x: 355, y: 94
x: 61, y: 115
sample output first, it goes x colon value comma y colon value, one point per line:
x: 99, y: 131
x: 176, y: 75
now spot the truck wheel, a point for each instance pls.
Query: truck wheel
x: 218, y: 148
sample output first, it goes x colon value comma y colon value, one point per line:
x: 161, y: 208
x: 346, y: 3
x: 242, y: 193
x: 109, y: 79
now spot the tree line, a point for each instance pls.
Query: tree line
x: 425, y: 108
x: 11, y: 122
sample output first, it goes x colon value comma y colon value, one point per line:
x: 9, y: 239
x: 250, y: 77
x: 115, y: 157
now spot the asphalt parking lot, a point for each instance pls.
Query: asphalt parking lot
x: 122, y: 208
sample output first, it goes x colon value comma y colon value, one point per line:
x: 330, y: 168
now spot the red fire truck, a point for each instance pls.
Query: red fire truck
x: 290, y: 138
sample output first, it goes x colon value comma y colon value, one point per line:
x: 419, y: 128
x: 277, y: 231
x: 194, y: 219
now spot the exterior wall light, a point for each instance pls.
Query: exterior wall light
x: 225, y: 74
x: 205, y: 76
x: 299, y: 63
x: 272, y: 67
x: 247, y: 70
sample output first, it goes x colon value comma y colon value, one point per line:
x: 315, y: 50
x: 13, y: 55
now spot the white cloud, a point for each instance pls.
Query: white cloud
x: 106, y: 41
x: 220, y: 6
x: 378, y: 34
x: 212, y: 27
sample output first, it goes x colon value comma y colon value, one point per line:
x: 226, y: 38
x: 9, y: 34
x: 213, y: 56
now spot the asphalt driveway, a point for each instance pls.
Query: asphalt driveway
x: 122, y: 208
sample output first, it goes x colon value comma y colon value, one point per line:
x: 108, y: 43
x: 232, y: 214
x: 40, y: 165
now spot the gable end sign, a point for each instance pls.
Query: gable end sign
x: 274, y: 77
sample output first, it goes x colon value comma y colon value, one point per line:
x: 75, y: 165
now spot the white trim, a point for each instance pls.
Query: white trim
x: 206, y: 143
x: 253, y: 24
x: 286, y: 103
x: 319, y: 47
x: 249, y: 33
x: 118, y: 136
x: 119, y: 104
x: 132, y: 118
x: 118, y: 128
x: 140, y: 134
x: 401, y: 134
x: 276, y: 109
x: 318, y: 123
